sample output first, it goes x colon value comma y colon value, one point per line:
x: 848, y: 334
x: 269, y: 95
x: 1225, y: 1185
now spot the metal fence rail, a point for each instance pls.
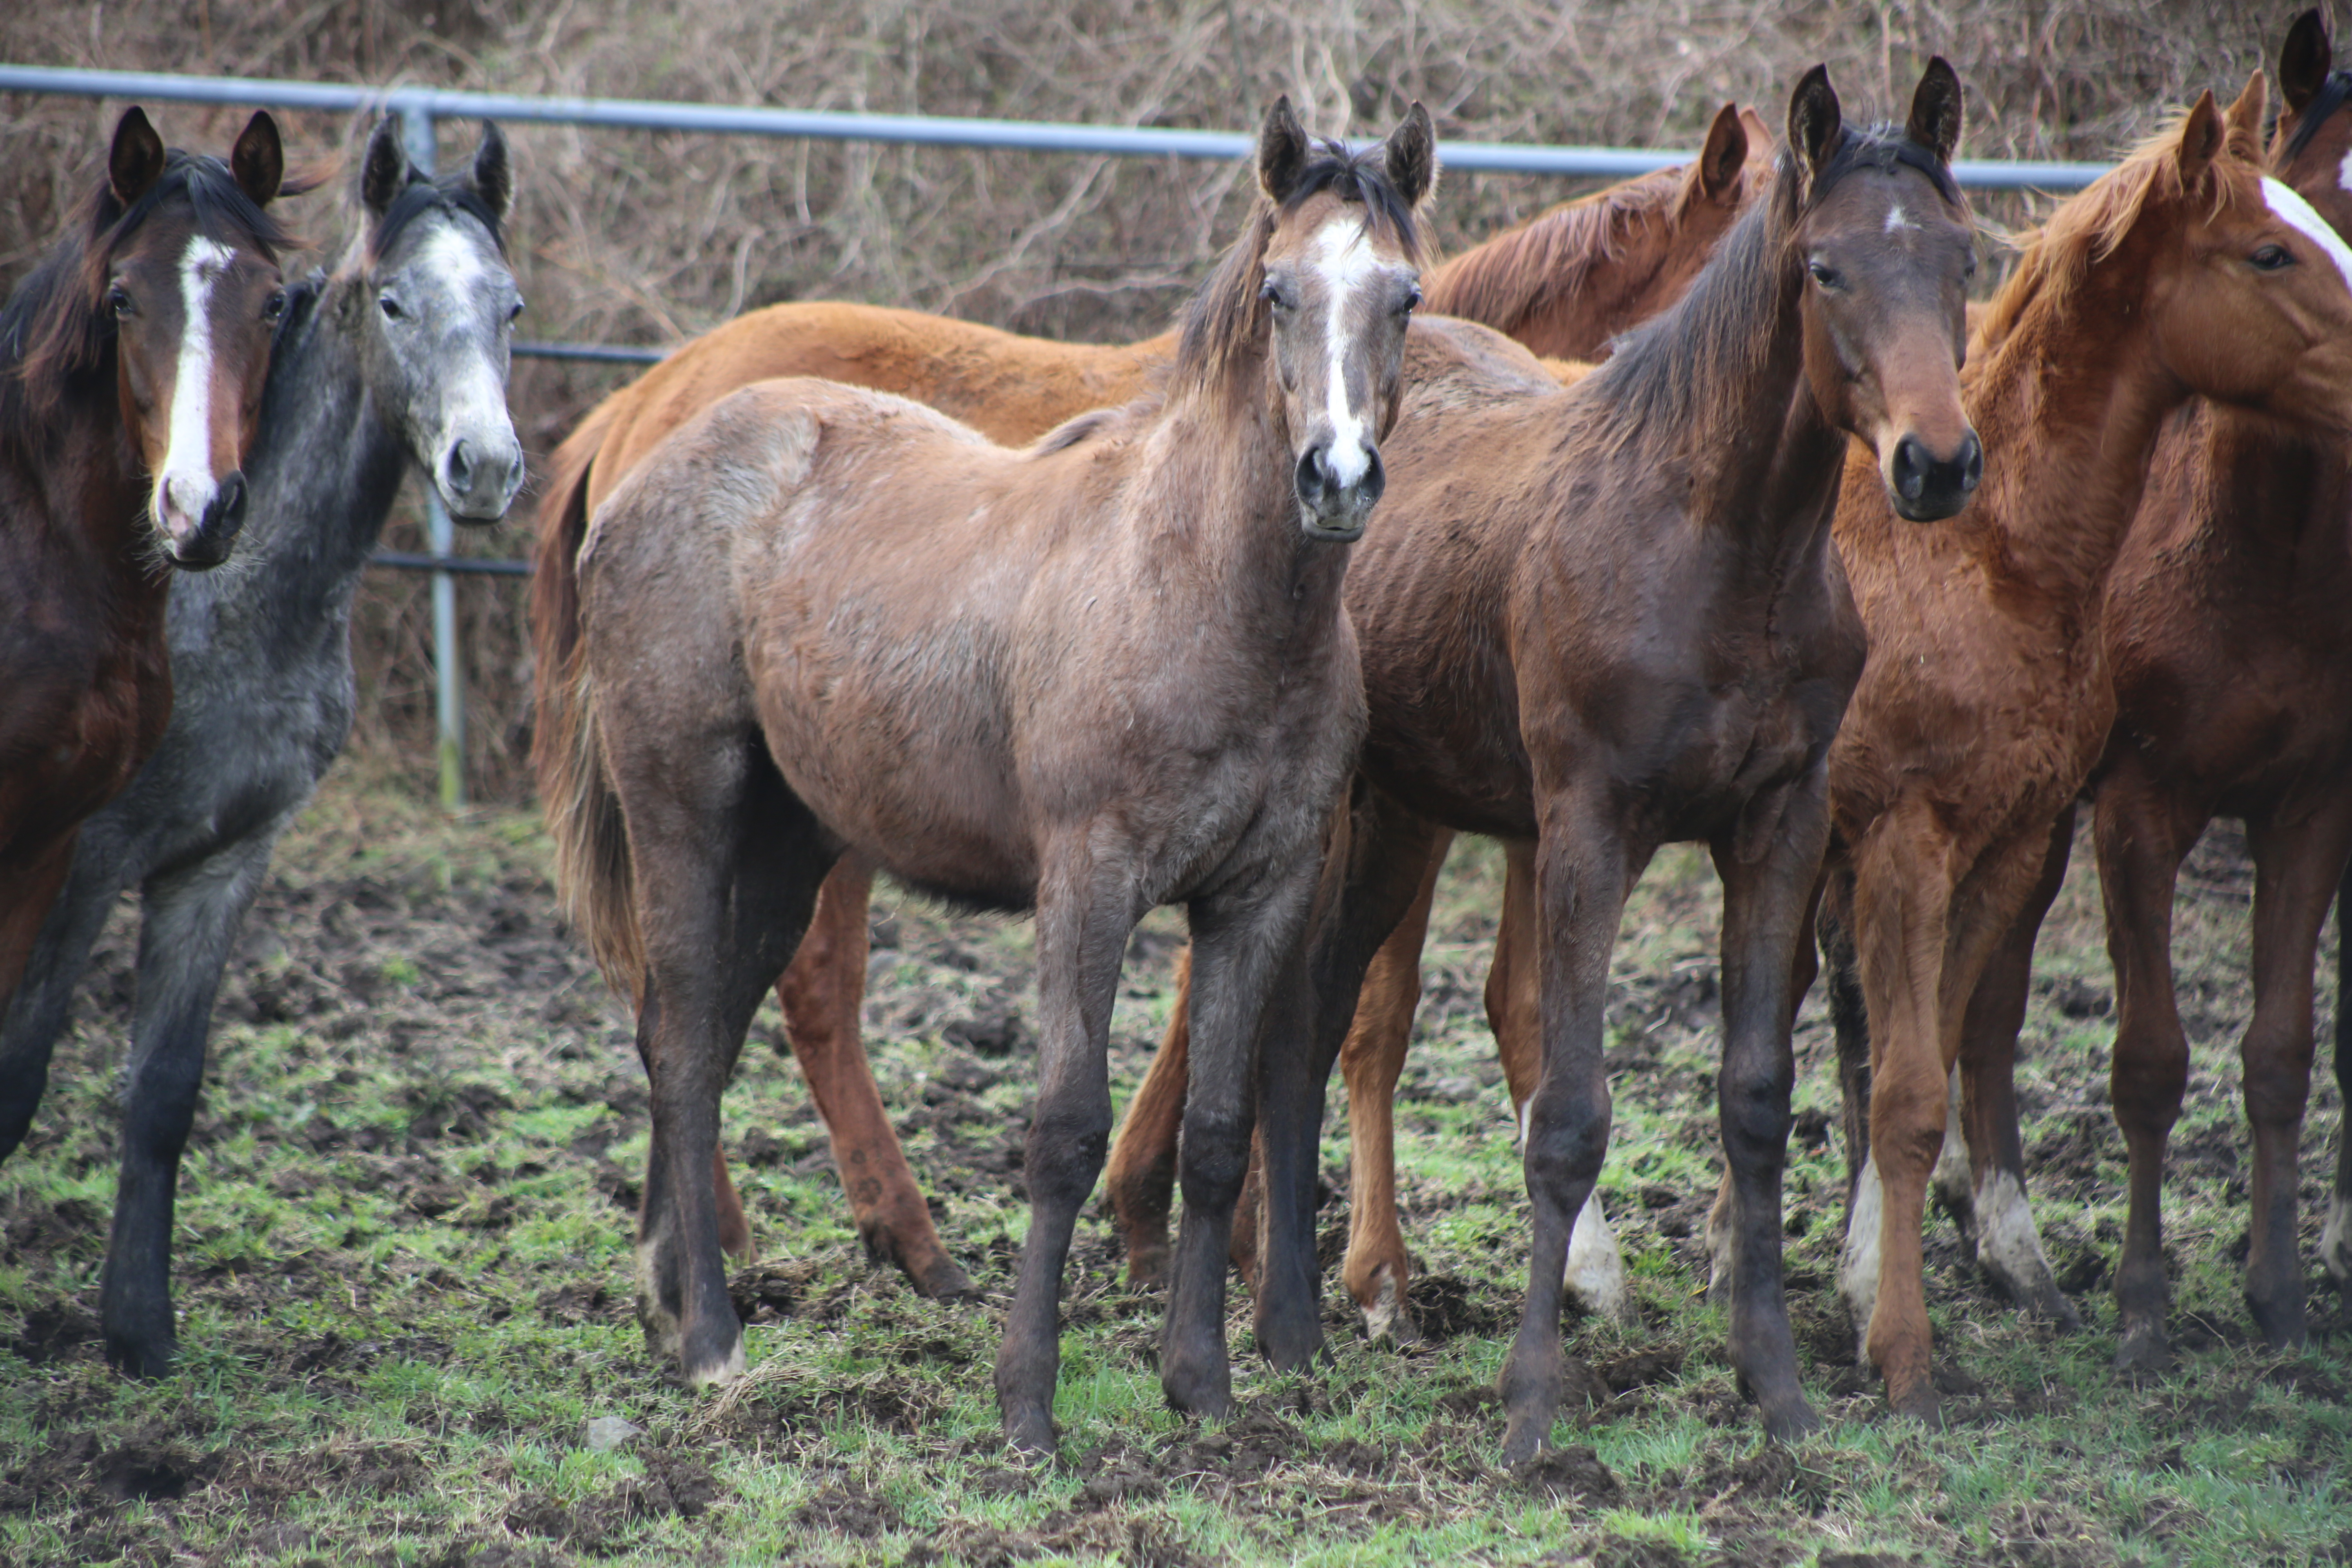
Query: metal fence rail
x: 421, y: 107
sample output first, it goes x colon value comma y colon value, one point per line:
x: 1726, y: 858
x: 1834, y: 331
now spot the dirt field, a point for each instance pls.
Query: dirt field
x: 404, y: 1284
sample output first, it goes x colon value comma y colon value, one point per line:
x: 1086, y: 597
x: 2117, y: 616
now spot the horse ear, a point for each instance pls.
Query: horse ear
x: 385, y: 173
x: 2305, y: 60
x: 1759, y: 136
x: 1936, y: 110
x: 1725, y: 157
x: 1409, y: 155
x: 1814, y: 119
x: 1281, y: 151
x: 493, y: 173
x: 136, y: 161
x: 2203, y: 139
x: 259, y: 159
x: 2244, y: 119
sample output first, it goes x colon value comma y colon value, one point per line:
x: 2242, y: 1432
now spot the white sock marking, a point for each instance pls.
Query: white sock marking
x: 1858, y: 1264
x: 184, y: 483
x: 1595, y: 1276
x: 2008, y: 1246
x: 2336, y: 1241
x: 2297, y: 214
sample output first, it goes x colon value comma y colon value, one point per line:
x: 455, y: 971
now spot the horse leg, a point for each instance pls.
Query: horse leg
x: 823, y: 992
x: 1142, y: 1173
x: 1249, y: 978
x: 1083, y: 921
x: 1583, y: 869
x: 2336, y: 1241
x: 1901, y: 920
x: 31, y: 890
x: 190, y: 919
x: 2296, y: 868
x: 35, y: 1017
x: 2142, y: 834
x: 1767, y: 892
x: 1596, y: 1266
x: 1377, y: 1271
x: 726, y: 864
x: 1995, y: 1218
x: 1372, y: 869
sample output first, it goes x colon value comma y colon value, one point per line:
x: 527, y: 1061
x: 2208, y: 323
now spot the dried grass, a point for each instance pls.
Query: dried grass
x: 647, y: 239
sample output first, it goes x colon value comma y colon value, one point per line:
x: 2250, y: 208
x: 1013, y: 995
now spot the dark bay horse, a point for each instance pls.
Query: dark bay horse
x: 1569, y: 281
x: 1987, y: 702
x: 2230, y: 662
x: 1607, y: 616
x: 398, y: 357
x: 131, y: 370
x: 1107, y: 672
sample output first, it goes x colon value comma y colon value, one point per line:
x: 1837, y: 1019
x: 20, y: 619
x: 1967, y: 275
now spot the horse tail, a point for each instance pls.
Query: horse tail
x: 591, y: 840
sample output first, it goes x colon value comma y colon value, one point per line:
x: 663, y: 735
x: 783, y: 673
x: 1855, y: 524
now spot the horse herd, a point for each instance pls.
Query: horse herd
x: 1253, y: 618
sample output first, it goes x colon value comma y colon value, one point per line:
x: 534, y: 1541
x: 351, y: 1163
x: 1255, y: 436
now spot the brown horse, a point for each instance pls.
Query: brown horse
x: 131, y: 363
x: 1107, y: 672
x: 2183, y: 272
x: 2231, y: 671
x: 1621, y: 624
x: 1627, y: 251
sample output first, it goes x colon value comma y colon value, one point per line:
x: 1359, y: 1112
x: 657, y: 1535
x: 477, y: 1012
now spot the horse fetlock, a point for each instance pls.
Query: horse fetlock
x: 1530, y: 1389
x: 1595, y: 1276
x: 1858, y: 1259
x: 2009, y: 1248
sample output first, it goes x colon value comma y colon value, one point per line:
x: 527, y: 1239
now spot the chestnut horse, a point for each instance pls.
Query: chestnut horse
x: 1567, y: 281
x: 131, y: 363
x: 1607, y: 616
x: 2231, y: 663
x: 2183, y: 272
x: 1107, y: 672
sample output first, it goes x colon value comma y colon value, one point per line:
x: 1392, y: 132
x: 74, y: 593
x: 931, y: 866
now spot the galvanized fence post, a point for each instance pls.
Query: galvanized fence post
x: 417, y: 130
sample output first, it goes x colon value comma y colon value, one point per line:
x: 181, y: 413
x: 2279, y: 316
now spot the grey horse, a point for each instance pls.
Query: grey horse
x: 398, y: 356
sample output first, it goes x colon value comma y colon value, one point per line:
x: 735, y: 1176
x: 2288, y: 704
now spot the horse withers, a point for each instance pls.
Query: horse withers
x: 1108, y: 672
x: 131, y: 362
x: 394, y: 360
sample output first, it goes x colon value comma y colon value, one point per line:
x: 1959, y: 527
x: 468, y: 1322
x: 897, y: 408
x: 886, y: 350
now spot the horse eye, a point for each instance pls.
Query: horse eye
x: 516, y: 314
x: 390, y: 308
x: 118, y: 299
x: 1273, y: 295
x: 2272, y: 258
x: 1827, y: 277
x: 276, y: 308
x: 1411, y: 300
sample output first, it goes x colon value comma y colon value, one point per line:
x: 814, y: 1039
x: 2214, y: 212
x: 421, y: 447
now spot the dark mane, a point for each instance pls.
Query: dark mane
x: 55, y: 329
x: 1515, y: 276
x: 2324, y: 103
x: 1669, y: 373
x: 441, y: 192
x: 1225, y: 317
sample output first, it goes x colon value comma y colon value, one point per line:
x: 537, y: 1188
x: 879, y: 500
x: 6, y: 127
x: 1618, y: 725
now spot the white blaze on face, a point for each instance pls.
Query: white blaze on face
x: 2344, y: 171
x: 1897, y: 218
x: 1343, y: 258
x: 184, y: 485
x: 2297, y: 214
x: 456, y: 273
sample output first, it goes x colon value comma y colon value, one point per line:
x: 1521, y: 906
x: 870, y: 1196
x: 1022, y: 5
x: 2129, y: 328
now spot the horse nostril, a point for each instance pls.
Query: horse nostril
x: 1911, y: 463
x: 1375, y: 482
x: 1312, y: 478
x: 1971, y: 462
x: 229, y: 502
x: 461, y: 466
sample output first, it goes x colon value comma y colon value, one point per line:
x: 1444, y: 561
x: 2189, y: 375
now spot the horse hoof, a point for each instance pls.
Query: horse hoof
x: 2280, y: 1322
x: 1199, y: 1390
x: 1916, y: 1400
x: 2144, y: 1350
x: 143, y: 1359
x: 1289, y: 1341
x: 1524, y: 1436
x: 944, y: 1280
x: 711, y: 1371
x: 1787, y: 1420
x: 1147, y: 1268
x: 1385, y: 1317
x: 1030, y: 1431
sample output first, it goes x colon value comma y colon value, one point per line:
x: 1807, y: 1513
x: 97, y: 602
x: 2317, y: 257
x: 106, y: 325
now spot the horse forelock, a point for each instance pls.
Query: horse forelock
x: 1226, y: 319
x: 1507, y: 279
x: 2092, y: 225
x: 447, y: 193
x: 55, y: 328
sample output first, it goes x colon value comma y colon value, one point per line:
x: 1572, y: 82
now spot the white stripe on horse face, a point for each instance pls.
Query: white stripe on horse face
x: 2344, y: 171
x: 2297, y: 214
x: 453, y: 259
x: 1897, y: 218
x: 1344, y: 260
x: 185, y: 478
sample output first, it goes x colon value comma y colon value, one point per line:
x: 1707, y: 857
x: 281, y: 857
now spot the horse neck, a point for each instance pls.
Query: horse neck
x: 320, y: 480
x: 2272, y: 495
x: 87, y: 491
x: 2074, y: 389
x: 1226, y: 537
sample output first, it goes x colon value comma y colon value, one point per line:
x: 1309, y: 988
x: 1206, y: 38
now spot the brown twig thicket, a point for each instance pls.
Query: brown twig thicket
x: 647, y: 238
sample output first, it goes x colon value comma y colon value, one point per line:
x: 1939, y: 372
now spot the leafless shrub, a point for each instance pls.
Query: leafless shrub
x: 649, y: 238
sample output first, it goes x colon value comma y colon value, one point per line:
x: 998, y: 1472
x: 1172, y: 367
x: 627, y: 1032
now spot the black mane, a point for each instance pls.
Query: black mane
x: 425, y: 193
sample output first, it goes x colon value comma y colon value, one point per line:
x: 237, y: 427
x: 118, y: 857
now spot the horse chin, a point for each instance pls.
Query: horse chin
x: 1929, y: 506
x: 1347, y: 529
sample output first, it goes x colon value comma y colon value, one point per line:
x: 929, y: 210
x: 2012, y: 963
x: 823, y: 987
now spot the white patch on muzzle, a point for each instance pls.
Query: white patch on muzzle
x: 1344, y: 260
x: 184, y: 486
x: 2298, y: 215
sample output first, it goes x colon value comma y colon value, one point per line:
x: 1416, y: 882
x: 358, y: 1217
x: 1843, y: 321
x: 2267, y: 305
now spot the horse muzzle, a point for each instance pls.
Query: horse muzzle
x: 1332, y: 505
x: 200, y: 520
x: 1924, y: 487
x: 478, y: 480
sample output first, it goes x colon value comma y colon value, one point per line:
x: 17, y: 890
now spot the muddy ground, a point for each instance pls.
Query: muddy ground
x: 404, y: 1287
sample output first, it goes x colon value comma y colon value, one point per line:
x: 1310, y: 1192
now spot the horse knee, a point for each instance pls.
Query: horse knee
x: 1755, y: 1107
x: 1215, y: 1162
x: 1065, y: 1154
x: 1567, y: 1138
